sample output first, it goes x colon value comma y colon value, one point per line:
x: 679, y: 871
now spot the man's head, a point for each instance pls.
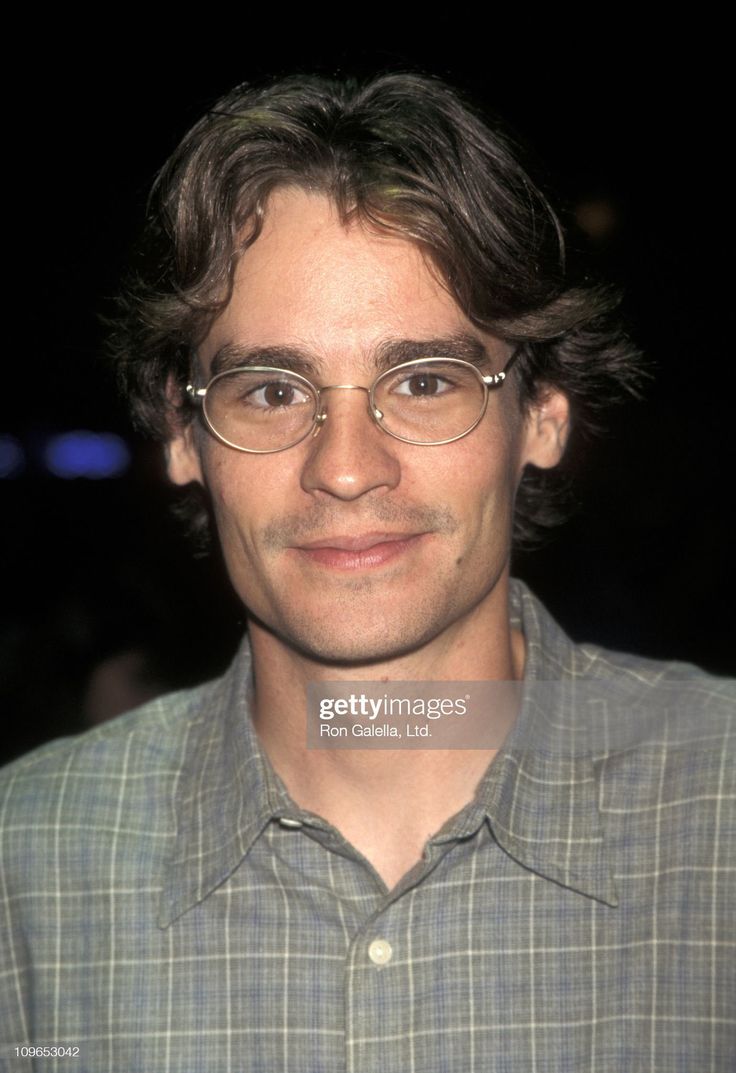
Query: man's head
x: 339, y: 220
x: 351, y: 543
x: 405, y: 153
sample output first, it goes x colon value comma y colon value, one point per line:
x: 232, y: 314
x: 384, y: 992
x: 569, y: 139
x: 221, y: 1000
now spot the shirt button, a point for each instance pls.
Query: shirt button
x: 287, y: 821
x: 380, y: 952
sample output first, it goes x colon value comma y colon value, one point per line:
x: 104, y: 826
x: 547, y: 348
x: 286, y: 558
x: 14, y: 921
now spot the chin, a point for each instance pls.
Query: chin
x: 344, y: 652
x: 354, y: 642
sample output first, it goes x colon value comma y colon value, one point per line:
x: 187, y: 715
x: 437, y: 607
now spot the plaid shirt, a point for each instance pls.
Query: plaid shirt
x: 167, y: 907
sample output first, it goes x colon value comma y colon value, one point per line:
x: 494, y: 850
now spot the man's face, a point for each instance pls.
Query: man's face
x: 351, y: 545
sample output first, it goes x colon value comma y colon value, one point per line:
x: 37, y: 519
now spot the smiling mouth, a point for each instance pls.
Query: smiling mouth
x: 362, y: 552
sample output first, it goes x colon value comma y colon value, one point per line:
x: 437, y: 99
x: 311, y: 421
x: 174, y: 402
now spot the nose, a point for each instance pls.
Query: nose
x: 349, y: 455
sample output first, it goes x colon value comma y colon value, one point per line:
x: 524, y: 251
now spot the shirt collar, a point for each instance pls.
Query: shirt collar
x: 227, y: 791
x: 541, y: 806
x: 540, y: 796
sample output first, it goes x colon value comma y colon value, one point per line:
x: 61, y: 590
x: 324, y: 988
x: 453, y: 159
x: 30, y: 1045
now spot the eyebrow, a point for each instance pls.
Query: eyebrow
x: 460, y: 345
x: 385, y: 356
x: 237, y: 355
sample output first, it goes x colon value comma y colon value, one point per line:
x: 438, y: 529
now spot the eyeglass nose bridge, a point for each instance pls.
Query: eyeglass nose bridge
x: 321, y: 415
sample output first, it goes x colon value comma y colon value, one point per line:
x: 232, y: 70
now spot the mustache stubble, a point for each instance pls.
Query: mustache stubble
x: 329, y: 519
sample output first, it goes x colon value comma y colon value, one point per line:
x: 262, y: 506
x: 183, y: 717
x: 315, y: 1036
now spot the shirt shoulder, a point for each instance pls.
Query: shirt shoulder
x: 663, y: 741
x: 656, y: 684
x: 129, y: 762
x: 649, y: 726
x: 635, y: 681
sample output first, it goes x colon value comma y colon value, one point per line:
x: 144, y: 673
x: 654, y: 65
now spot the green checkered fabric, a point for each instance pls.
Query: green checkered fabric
x: 167, y: 907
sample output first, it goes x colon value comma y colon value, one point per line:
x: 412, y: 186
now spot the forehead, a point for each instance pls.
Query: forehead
x: 336, y: 291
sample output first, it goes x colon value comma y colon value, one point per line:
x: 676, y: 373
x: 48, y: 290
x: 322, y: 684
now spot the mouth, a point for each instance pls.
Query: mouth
x: 361, y: 552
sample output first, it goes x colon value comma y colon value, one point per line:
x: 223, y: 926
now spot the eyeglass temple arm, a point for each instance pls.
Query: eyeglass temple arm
x: 496, y: 379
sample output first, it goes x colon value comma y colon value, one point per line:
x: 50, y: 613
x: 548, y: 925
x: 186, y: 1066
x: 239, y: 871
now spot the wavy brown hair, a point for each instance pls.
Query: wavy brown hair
x: 403, y: 152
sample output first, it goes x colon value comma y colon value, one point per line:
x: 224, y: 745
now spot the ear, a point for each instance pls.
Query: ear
x: 182, y: 457
x: 546, y: 429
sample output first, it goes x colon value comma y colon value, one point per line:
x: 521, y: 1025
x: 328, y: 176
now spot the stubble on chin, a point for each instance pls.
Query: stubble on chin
x: 367, y: 619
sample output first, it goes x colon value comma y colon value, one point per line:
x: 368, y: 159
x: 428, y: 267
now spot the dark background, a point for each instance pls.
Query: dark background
x: 631, y: 132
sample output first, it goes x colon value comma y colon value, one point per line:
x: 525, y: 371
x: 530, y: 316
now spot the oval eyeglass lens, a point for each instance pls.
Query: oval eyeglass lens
x: 260, y: 411
x: 430, y: 401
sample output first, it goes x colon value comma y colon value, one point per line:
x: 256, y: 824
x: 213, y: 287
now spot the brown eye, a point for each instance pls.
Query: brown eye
x: 422, y: 385
x: 274, y: 395
x: 278, y: 394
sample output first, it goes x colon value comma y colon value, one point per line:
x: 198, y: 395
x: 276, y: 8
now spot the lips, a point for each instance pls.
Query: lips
x: 357, y: 543
x: 359, y: 552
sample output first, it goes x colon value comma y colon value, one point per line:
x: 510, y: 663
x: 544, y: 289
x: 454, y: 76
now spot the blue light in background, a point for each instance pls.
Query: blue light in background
x: 12, y: 456
x: 94, y: 455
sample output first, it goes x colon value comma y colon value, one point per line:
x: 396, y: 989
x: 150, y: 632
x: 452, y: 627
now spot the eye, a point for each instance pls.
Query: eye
x: 275, y: 394
x: 423, y: 385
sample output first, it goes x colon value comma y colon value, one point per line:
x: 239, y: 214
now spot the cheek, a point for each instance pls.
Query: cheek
x: 481, y: 484
x: 231, y: 484
x: 248, y: 493
x: 482, y: 473
x: 222, y: 479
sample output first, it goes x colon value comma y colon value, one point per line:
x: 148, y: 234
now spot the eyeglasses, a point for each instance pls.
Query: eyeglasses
x: 428, y: 401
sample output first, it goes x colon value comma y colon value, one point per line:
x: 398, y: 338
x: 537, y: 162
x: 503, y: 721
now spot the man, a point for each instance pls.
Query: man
x: 357, y: 338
